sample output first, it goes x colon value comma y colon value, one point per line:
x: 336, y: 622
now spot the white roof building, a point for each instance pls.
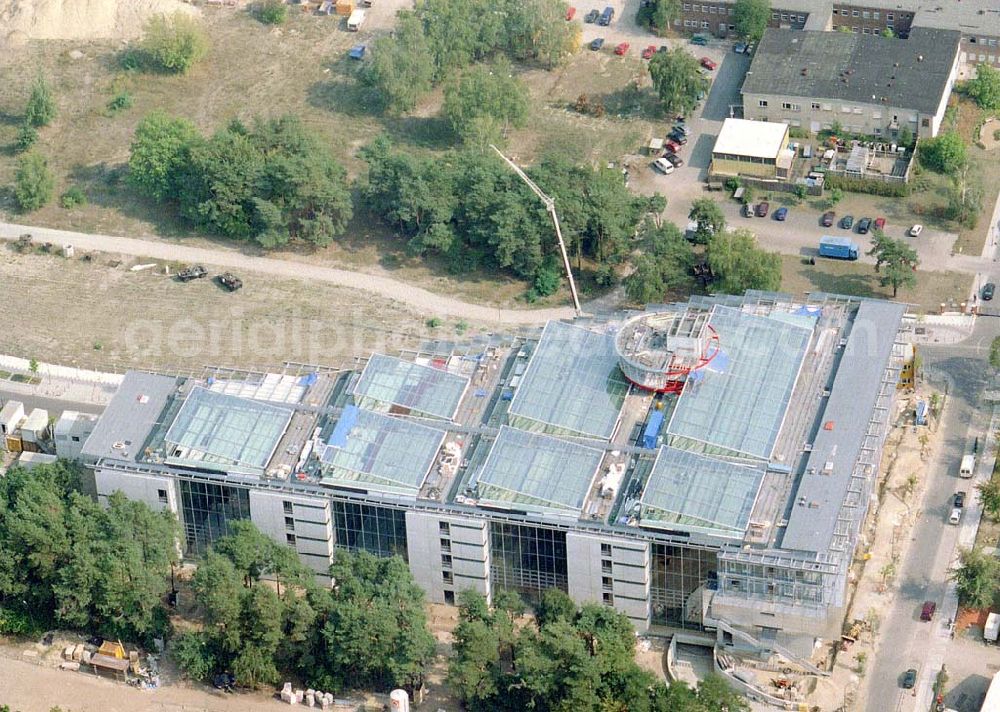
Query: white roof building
x: 754, y: 139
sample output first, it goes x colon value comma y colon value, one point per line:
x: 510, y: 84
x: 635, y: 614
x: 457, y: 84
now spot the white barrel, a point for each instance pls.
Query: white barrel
x: 399, y: 701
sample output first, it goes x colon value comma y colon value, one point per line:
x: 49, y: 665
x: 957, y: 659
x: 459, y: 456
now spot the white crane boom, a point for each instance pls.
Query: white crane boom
x: 550, y: 206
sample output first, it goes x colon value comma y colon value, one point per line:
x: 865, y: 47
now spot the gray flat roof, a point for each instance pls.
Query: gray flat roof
x: 537, y: 472
x: 847, y: 66
x: 130, y: 416
x: 695, y: 493
x: 845, y: 419
x: 735, y: 405
x: 572, y: 385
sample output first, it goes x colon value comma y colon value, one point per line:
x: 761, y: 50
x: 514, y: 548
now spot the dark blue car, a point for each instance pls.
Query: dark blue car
x: 781, y: 213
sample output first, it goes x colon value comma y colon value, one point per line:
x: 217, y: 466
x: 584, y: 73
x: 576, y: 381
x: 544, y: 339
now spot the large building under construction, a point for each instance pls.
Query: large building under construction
x: 705, y: 465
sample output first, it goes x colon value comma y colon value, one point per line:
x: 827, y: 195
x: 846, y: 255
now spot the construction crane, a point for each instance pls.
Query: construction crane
x: 550, y: 206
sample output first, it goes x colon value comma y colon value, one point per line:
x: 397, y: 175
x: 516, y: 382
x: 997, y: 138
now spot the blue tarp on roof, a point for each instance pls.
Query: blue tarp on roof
x: 348, y: 419
x: 309, y: 379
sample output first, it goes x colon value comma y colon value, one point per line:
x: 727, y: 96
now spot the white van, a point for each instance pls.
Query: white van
x: 968, y: 466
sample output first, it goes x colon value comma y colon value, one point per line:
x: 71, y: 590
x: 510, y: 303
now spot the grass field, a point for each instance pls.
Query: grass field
x: 834, y: 276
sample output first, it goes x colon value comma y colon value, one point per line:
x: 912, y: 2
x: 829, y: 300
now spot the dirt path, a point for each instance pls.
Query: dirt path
x: 416, y: 298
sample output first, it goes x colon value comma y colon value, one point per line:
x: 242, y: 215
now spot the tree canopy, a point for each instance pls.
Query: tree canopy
x: 570, y: 658
x: 70, y: 562
x: 41, y: 108
x: 895, y: 262
x: 739, y: 264
x: 984, y: 88
x: 943, y: 154
x: 676, y: 79
x: 271, y: 182
x: 709, y: 218
x: 977, y: 578
x: 658, y: 15
x: 401, y: 69
x: 33, y: 182
x: 751, y: 17
x: 663, y: 267
x: 485, y: 101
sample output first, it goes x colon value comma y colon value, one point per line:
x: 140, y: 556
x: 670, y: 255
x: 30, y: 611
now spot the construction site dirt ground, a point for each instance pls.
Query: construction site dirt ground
x: 94, y: 315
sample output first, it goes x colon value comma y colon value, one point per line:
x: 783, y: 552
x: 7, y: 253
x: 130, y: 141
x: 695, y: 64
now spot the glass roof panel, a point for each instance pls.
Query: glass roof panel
x: 425, y: 390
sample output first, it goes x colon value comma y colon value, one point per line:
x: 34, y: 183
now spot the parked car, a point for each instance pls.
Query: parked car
x: 956, y: 516
x: 682, y: 128
x: 193, y: 272
x: 880, y: 223
x: 663, y: 166
x: 847, y: 222
x: 672, y: 146
x: 864, y: 224
x: 591, y: 17
x: 827, y: 219
x: 357, y: 52
x: 959, y: 500
x: 739, y: 48
x: 570, y: 13
x: 649, y: 52
x: 677, y: 137
x: 675, y: 159
x: 762, y: 208
x: 747, y: 210
x: 230, y: 281
x: 781, y: 214
x: 988, y: 290
x: 621, y: 49
x: 909, y: 679
x: 927, y: 611
x: 699, y: 40
x: 708, y: 64
x: 916, y: 230
x: 597, y: 43
x: 606, y: 17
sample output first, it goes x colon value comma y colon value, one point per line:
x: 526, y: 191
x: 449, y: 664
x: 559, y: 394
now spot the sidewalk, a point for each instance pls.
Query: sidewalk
x: 947, y: 328
x: 59, y: 382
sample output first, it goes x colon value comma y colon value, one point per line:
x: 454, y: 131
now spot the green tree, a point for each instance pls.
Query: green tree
x: 256, y: 555
x: 739, y: 264
x: 977, y: 578
x: 554, y: 605
x: 676, y: 80
x: 751, y: 18
x: 995, y: 353
x: 836, y: 195
x: 659, y: 15
x: 401, y: 69
x: 989, y: 495
x: 888, y: 33
x: 272, y: 12
x: 172, y: 43
x: 158, y: 154
x: 709, y: 218
x: 194, y: 655
x: 664, y: 267
x: 41, y: 108
x: 895, y: 262
x: 33, y: 182
x: 714, y: 693
x: 943, y: 154
x: 905, y: 136
x: 27, y: 136
x: 485, y: 102
x: 984, y: 88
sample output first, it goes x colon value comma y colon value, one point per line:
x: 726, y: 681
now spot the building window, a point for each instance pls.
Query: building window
x: 788, y: 106
x: 287, y: 507
x: 854, y: 30
x: 446, y: 545
x: 444, y: 528
x: 609, y: 599
x: 676, y: 572
x: 446, y: 561
x: 162, y: 496
x: 762, y: 103
x: 527, y: 559
x: 364, y: 527
x: 855, y: 13
x: 711, y: 10
x: 972, y: 40
x: 447, y: 577
x: 606, y: 582
x: 605, y: 549
x: 836, y: 12
x: 207, y: 509
x: 289, y: 524
x: 687, y: 7
x: 866, y: 31
x: 890, y: 17
x: 815, y: 106
x: 865, y: 14
x: 449, y: 598
x: 290, y: 539
x: 774, y: 16
x: 75, y: 438
x: 606, y: 567
x: 926, y: 123
x: 704, y: 25
x: 875, y: 15
x: 784, y: 17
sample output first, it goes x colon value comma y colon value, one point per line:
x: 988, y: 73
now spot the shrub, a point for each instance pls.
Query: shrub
x: 27, y: 135
x: 172, y: 44
x: 872, y: 187
x: 122, y: 101
x: 547, y: 280
x: 434, y: 322
x: 72, y: 198
x: 41, y: 109
x: 272, y: 12
x: 33, y: 183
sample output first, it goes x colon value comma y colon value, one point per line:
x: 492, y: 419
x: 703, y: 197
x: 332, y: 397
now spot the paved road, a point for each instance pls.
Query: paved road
x: 905, y: 640
x: 421, y: 300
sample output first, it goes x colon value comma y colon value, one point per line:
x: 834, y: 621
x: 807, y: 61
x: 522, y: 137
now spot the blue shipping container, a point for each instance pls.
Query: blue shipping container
x: 921, y: 412
x: 841, y: 248
x: 652, y: 430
